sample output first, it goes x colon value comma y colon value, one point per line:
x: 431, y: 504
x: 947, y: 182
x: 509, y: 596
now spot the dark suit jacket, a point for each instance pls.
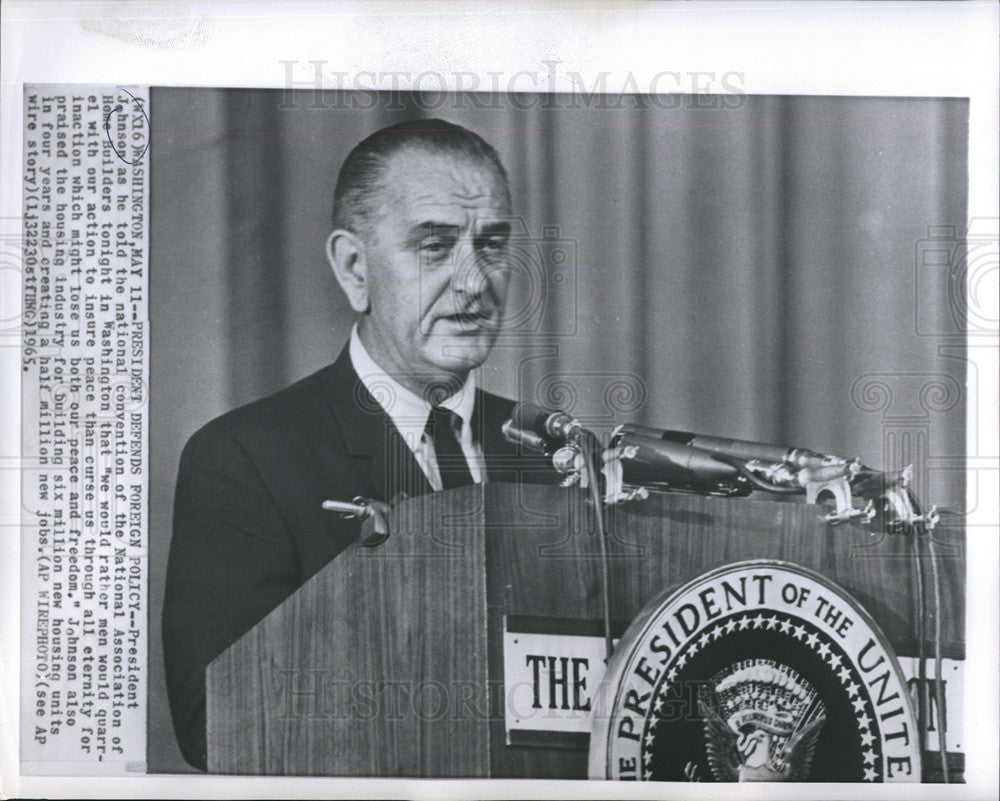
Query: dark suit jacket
x: 248, y: 524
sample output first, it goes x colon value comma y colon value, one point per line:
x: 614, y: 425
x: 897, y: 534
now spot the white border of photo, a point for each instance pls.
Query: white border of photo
x: 928, y: 49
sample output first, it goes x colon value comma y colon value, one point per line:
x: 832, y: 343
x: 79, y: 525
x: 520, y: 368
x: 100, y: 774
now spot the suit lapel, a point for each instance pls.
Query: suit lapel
x: 489, y: 414
x: 505, y: 461
x: 369, y: 434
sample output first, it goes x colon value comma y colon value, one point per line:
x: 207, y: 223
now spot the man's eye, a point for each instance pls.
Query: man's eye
x: 492, y: 244
x: 435, y: 248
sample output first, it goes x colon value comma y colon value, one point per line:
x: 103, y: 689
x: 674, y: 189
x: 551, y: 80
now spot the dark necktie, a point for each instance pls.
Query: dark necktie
x: 453, y: 467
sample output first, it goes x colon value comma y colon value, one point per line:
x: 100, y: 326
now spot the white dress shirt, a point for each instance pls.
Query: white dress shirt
x: 409, y: 413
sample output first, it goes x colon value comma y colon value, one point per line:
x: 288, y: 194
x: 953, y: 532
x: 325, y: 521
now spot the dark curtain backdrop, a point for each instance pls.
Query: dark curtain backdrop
x: 753, y: 269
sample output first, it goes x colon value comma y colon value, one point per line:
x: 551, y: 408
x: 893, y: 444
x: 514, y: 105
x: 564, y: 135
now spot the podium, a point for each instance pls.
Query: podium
x: 389, y: 661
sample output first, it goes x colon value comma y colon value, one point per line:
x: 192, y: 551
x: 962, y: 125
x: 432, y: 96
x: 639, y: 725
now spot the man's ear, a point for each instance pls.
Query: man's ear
x: 346, y: 254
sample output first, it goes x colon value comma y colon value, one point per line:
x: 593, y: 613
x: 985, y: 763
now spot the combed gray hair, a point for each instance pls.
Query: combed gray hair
x: 359, y: 182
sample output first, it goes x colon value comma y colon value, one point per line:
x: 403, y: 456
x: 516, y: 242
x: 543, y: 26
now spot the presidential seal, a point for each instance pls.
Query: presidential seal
x: 758, y: 671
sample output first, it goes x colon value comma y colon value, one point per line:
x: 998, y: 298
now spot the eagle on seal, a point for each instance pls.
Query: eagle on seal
x: 762, y: 721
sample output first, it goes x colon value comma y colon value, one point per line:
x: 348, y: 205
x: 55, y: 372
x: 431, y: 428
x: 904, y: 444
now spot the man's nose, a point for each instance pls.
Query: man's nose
x: 469, y: 276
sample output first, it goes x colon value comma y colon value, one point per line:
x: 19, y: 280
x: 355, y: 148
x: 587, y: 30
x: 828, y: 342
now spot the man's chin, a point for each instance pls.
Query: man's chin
x: 456, y: 354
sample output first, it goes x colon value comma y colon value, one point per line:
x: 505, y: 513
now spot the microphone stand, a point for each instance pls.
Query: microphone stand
x: 581, y: 454
x: 590, y: 447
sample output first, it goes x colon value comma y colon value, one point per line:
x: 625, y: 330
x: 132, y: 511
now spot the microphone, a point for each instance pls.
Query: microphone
x: 558, y: 435
x: 556, y: 427
x: 526, y: 439
x: 650, y: 460
x: 741, y: 449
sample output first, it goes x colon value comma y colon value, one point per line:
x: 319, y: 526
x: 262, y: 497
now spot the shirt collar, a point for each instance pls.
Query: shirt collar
x: 407, y: 410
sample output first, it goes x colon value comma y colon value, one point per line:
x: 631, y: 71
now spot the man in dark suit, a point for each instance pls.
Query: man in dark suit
x: 419, y: 246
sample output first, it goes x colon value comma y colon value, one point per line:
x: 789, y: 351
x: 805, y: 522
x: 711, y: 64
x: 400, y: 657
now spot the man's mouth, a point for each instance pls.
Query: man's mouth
x: 476, y: 319
x: 473, y: 315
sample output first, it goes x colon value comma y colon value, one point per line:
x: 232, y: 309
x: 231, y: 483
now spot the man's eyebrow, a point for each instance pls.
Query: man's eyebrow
x: 422, y: 230
x: 500, y: 228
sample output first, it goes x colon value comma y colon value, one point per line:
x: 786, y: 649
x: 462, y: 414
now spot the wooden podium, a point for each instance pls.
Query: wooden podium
x: 389, y: 661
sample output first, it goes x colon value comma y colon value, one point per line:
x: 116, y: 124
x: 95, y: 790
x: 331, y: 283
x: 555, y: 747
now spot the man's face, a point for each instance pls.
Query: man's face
x: 437, y: 265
